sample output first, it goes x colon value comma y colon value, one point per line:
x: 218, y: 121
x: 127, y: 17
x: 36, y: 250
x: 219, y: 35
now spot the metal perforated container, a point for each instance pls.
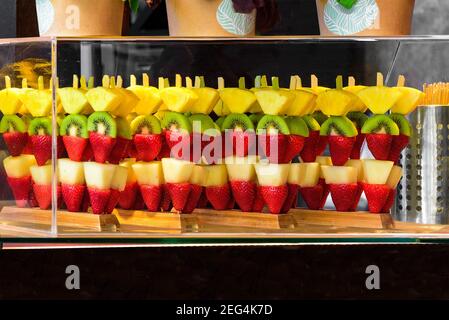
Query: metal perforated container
x: 422, y: 195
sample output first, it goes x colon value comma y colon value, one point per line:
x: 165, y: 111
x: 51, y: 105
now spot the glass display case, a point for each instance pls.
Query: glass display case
x: 82, y: 118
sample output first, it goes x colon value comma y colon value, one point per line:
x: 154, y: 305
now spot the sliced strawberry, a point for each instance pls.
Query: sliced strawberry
x: 88, y: 154
x: 219, y: 196
x: 139, y: 204
x: 86, y: 201
x: 355, y: 204
x: 28, y: 149
x: 376, y: 195
x: 291, y: 197
x: 113, y: 201
x: 120, y: 150
x: 194, y: 196
x: 99, y: 199
x: 152, y: 196
x: 274, y: 146
x: 43, y: 195
x: 41, y: 145
x: 179, y: 144
x: 274, y: 197
x: 325, y: 194
x: 321, y: 145
x: 312, y: 196
x: 340, y: 148
x: 32, y: 201
x: 179, y: 194
x: 164, y: 153
x: 15, y: 142
x: 356, y: 149
x: 202, y: 202
x: 128, y: 196
x: 244, y: 193
x: 75, y: 147
x: 147, y: 146
x: 101, y: 145
x: 132, y: 152
x: 390, y: 201
x: 295, y: 143
x: 259, y: 202
x: 379, y: 144
x: 309, y: 151
x: 343, y: 195
x: 73, y: 196
x: 21, y: 188
x: 398, y: 144
x: 166, y: 200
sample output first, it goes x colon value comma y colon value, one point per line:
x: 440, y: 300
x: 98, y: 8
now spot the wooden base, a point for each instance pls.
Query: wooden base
x: 144, y: 221
x: 359, y: 219
x: 245, y: 219
x: 30, y: 218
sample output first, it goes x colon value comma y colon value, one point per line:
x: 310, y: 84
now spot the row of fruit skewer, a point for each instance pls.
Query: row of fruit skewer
x: 110, y: 123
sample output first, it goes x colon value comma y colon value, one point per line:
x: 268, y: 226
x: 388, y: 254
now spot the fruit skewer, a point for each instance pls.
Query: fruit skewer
x: 243, y: 181
x: 377, y: 191
x: 19, y: 177
x: 343, y: 186
x: 318, y: 114
x: 273, y: 187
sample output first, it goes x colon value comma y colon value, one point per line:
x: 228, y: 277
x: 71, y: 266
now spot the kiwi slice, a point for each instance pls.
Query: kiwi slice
x: 103, y: 123
x: 359, y: 118
x: 237, y: 121
x: 340, y: 125
x: 174, y: 121
x: 148, y: 124
x: 219, y: 121
x: 269, y: 123
x: 123, y: 128
x: 404, y: 126
x: 205, y: 122
x: 74, y: 125
x: 12, y: 123
x: 311, y: 123
x: 380, y: 123
x: 297, y: 126
x: 319, y: 117
x: 255, y: 117
x: 40, y: 126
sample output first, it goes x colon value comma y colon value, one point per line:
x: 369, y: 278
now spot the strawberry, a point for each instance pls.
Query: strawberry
x: 340, y: 148
x: 21, y: 188
x: 244, y: 193
x: 32, y: 201
x: 99, y: 199
x: 355, y: 153
x: 231, y: 204
x: 179, y: 194
x: 120, y: 150
x: 164, y: 153
x: 312, y: 196
x: 41, y: 145
x: 61, y: 151
x: 202, y: 202
x: 194, y: 196
x: 165, y: 200
x: 295, y: 143
x: 43, y: 195
x: 325, y: 193
x: 377, y: 195
x: 179, y: 144
x: 139, y: 204
x: 132, y: 152
x: 102, y: 146
x: 15, y: 142
x: 343, y: 195
x: 88, y: 154
x: 152, y: 196
x: 274, y: 197
x: 128, y: 196
x: 259, y: 203
x: 398, y: 144
x: 379, y: 144
x: 309, y: 151
x: 273, y: 146
x: 355, y: 204
x: 390, y: 201
x: 113, y: 201
x: 73, y: 196
x: 75, y: 147
x: 291, y: 197
x: 147, y: 146
x: 219, y: 196
x: 86, y: 201
x: 321, y: 145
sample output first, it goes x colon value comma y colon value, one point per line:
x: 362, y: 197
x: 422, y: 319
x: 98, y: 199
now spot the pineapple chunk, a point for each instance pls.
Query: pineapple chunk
x: 408, y: 101
x: 11, y: 100
x: 128, y: 163
x: 309, y: 174
x: 99, y: 175
x: 178, y: 99
x: 103, y: 99
x: 220, y: 109
x: 71, y: 172
x: 149, y: 99
x: 379, y: 99
x: 73, y: 100
x: 38, y: 102
x: 302, y: 103
x: 274, y: 101
x: 339, y: 175
x: 358, y: 165
x: 119, y: 179
x: 148, y: 173
x: 376, y: 171
x: 323, y: 161
x: 217, y: 175
x: 237, y: 100
x: 294, y: 173
x: 18, y: 167
x: 128, y: 102
x: 241, y: 168
x: 207, y: 99
x: 177, y: 171
x: 41, y: 175
x: 272, y: 174
x: 199, y: 176
x: 357, y: 104
x: 335, y: 102
x: 394, y: 177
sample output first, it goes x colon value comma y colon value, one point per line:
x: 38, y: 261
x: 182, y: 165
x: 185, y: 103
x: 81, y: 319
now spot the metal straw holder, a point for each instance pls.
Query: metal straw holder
x: 423, y: 193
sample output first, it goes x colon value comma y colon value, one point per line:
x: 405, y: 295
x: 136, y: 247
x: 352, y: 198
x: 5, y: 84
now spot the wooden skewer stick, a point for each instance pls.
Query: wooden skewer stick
x: 132, y: 80
x: 380, y: 80
x: 91, y: 83
x: 275, y: 82
x: 339, y: 82
x: 197, y: 82
x: 313, y: 81
x: 145, y: 80
x: 83, y: 84
x: 202, y: 82
x: 351, y: 81
x: 105, y: 81
x: 166, y: 82
x: 298, y: 82
x: 264, y: 81
x: 40, y: 83
x: 7, y: 82
x: 75, y: 81
x: 401, y: 81
x: 242, y: 83
x: 119, y: 82
x: 161, y: 83
x: 292, y: 82
x: 189, y: 83
x: 24, y: 83
x: 221, y: 83
x: 112, y: 82
x: 178, y: 81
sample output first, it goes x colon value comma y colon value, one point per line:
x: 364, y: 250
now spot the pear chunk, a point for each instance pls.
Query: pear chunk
x: 149, y: 173
x: 376, y: 171
x: 339, y: 175
x: 177, y: 171
x: 309, y: 174
x: 272, y: 174
x: 71, y: 172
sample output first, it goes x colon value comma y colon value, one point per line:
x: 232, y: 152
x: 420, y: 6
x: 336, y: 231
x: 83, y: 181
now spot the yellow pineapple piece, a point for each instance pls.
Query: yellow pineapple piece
x: 38, y: 102
x: 73, y: 99
x: 409, y: 99
x: 238, y: 100
x: 149, y: 97
x: 10, y: 98
x: 335, y: 102
x: 177, y: 98
x: 220, y: 109
x: 304, y: 99
x: 129, y: 99
x: 274, y: 100
x: 357, y: 104
x: 104, y: 98
x: 207, y: 97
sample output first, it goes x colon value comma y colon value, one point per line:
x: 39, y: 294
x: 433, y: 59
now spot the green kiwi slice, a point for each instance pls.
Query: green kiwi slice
x: 123, y: 128
x: 404, y: 126
x: 103, y: 123
x: 12, y: 123
x: 74, y: 125
x: 340, y: 125
x: 311, y: 123
x: 175, y: 121
x: 297, y: 126
x: 219, y: 121
x: 272, y: 123
x: 40, y: 126
x: 359, y: 118
x: 148, y: 124
x: 380, y: 123
x: 319, y: 117
x: 237, y: 121
x: 205, y: 122
x: 255, y: 117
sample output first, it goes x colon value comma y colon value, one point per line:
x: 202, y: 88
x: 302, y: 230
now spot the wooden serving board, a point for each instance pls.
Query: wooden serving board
x: 236, y: 218
x: 38, y: 219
